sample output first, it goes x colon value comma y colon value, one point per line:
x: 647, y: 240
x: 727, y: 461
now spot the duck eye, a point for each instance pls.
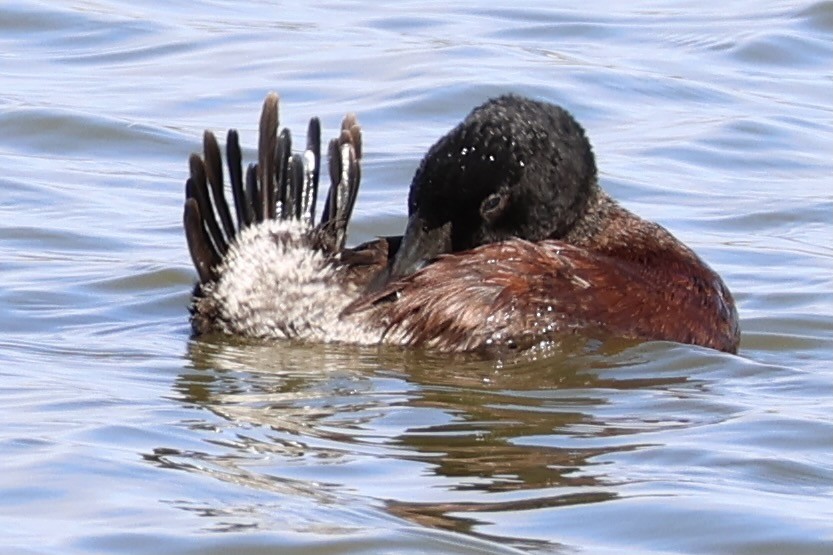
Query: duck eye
x: 492, y: 207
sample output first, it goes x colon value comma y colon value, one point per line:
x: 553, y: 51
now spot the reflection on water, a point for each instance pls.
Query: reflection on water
x: 120, y: 434
x: 491, y: 437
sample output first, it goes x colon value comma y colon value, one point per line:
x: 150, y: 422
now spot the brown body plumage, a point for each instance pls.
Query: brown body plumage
x: 510, y: 242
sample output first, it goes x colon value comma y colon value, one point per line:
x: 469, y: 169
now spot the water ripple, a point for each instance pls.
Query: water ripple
x: 713, y: 119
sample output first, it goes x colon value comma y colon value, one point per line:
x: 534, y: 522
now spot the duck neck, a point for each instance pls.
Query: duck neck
x: 611, y: 229
x: 600, y: 210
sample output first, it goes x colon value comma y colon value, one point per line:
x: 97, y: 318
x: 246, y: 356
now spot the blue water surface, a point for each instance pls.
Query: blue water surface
x: 120, y: 433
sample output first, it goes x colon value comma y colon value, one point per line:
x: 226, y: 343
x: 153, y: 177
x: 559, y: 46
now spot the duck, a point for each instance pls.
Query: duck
x: 510, y: 243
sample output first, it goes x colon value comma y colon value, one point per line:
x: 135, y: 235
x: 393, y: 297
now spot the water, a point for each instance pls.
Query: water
x: 121, y: 434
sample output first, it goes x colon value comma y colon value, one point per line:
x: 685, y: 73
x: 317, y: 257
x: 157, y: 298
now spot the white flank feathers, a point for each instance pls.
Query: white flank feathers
x: 274, y: 285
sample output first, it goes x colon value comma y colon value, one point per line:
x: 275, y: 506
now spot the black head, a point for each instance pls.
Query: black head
x: 514, y: 167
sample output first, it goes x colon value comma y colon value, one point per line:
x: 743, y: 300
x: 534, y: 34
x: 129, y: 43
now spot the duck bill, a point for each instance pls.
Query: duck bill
x: 420, y: 245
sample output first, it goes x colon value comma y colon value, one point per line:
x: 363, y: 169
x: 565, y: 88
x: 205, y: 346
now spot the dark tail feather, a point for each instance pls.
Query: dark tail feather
x: 253, y: 194
x: 296, y: 187
x: 214, y: 172
x: 279, y: 185
x: 345, y: 178
x: 203, y: 255
x: 312, y: 157
x: 335, y: 176
x: 354, y: 130
x: 199, y: 191
x: 284, y: 154
x: 266, y: 170
x: 235, y: 170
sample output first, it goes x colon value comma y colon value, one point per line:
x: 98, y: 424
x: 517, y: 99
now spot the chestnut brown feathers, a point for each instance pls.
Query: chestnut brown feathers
x: 509, y: 242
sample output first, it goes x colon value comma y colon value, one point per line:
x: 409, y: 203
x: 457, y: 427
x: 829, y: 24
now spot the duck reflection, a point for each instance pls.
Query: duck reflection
x: 496, y: 437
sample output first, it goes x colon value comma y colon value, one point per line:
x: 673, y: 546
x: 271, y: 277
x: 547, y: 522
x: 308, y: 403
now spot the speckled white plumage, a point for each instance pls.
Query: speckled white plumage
x: 274, y: 285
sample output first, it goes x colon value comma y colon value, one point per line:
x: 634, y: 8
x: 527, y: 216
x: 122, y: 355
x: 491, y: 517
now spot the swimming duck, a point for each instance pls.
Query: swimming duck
x: 510, y: 242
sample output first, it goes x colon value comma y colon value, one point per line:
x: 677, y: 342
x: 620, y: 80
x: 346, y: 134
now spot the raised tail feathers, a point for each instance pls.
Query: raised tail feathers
x: 345, y: 177
x: 279, y: 186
